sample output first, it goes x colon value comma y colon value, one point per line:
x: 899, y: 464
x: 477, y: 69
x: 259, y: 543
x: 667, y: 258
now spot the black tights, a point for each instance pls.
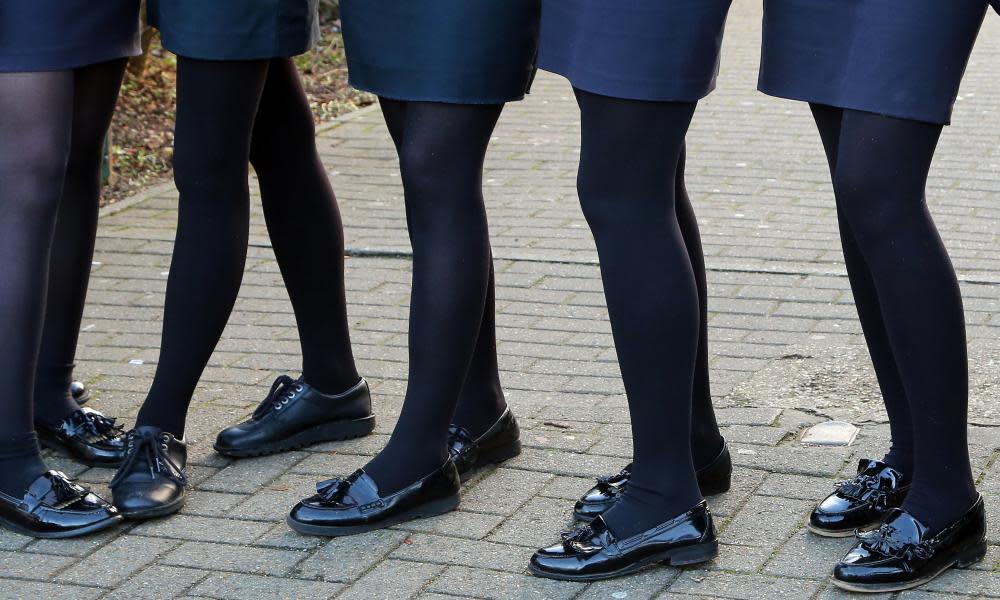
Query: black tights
x: 452, y: 344
x: 229, y: 114
x: 52, y: 127
x: 908, y: 300
x: 632, y: 194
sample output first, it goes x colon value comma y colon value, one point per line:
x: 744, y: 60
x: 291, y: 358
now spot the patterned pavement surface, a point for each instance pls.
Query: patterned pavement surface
x: 786, y: 353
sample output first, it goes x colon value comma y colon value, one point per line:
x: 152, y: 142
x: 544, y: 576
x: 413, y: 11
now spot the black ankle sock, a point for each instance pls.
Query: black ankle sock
x: 53, y: 400
x: 20, y: 464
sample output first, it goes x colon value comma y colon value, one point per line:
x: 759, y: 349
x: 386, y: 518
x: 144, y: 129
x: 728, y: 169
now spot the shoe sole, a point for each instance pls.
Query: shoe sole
x: 970, y: 557
x: 66, y: 451
x: 328, y: 432
x: 496, y: 456
x: 831, y: 533
x: 154, y: 513
x: 678, y: 557
x: 430, y: 509
x: 57, y: 535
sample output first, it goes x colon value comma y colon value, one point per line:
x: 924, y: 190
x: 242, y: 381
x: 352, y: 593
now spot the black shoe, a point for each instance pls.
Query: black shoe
x: 354, y: 505
x: 592, y: 553
x: 55, y: 507
x: 79, y: 392
x: 151, y: 482
x: 295, y: 415
x: 860, y: 503
x: 501, y: 442
x: 714, y: 478
x: 86, y: 435
x: 900, y: 555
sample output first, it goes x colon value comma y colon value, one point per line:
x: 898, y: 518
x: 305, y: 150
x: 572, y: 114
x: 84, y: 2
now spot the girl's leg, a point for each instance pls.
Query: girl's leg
x: 880, y: 179
x: 216, y: 105
x: 627, y: 186
x: 95, y: 93
x: 706, y: 440
x: 304, y: 224
x: 441, y: 149
x: 900, y: 456
x: 36, y: 117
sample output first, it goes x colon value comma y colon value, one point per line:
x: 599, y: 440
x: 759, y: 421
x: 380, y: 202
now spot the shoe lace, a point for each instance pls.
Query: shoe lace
x: 865, y: 488
x: 282, y: 391
x: 154, y: 450
x: 881, y: 541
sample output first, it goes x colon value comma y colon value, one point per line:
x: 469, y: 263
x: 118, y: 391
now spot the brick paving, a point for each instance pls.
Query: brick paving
x: 781, y: 323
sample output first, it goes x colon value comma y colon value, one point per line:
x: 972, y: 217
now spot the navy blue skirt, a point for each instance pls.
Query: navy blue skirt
x: 235, y: 29
x: 900, y: 59
x: 662, y: 50
x: 53, y: 35
x: 454, y: 51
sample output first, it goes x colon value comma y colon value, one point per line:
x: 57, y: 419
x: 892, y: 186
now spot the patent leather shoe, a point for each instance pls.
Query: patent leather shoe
x: 79, y: 392
x: 501, y: 442
x: 900, y: 554
x: 714, y: 478
x: 294, y: 415
x: 87, y: 436
x: 860, y: 503
x: 592, y: 552
x: 55, y: 507
x: 151, y: 482
x: 355, y: 505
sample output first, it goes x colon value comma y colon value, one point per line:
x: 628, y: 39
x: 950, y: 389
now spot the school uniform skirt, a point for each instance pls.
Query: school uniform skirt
x: 899, y: 59
x: 235, y: 29
x: 454, y: 51
x: 53, y: 35
x: 662, y: 50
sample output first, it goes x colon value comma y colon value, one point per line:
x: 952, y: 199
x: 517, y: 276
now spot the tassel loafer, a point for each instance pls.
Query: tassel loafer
x: 501, y: 442
x: 714, y: 478
x: 860, y: 503
x: 151, y: 482
x: 592, y: 553
x: 294, y: 415
x: 355, y: 505
x: 55, y: 507
x: 87, y: 436
x: 900, y: 554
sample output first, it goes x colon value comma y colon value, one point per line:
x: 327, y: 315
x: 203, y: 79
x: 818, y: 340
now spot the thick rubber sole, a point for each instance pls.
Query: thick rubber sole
x: 970, y: 557
x: 60, y: 535
x: 66, y: 451
x: 678, y: 557
x: 155, y: 513
x: 327, y: 432
x: 494, y: 456
x: 430, y: 509
x: 714, y: 488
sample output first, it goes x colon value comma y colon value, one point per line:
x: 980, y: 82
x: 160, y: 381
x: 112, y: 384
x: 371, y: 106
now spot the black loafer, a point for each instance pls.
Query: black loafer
x: 714, y: 478
x: 860, y: 503
x: 295, y: 414
x: 354, y: 505
x: 55, y: 507
x: 88, y: 436
x: 899, y: 555
x: 151, y: 482
x: 592, y: 553
x: 501, y: 442
x: 79, y: 392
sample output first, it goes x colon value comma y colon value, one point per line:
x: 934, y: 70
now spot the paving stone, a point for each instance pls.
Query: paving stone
x: 830, y: 433
x: 765, y: 521
x: 481, y: 583
x: 392, y: 580
x: 796, y: 486
x: 470, y: 553
x: 643, y: 585
x: 114, y: 563
x: 18, y: 589
x: 742, y: 587
x: 156, y: 582
x: 808, y: 556
x: 347, y: 558
x: 234, y: 586
x: 503, y: 491
x: 239, y: 559
x: 205, y: 529
x: 32, y: 566
x: 457, y: 523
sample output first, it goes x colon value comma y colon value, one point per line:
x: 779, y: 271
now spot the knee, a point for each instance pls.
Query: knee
x: 208, y: 167
x: 35, y: 183
x: 867, y: 202
x: 294, y: 141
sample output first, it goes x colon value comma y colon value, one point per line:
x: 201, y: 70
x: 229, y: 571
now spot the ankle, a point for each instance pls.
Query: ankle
x: 20, y: 464
x: 706, y: 446
x: 331, y: 382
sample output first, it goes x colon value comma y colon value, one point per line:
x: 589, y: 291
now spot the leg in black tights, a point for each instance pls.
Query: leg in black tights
x: 880, y: 176
x: 441, y: 150
x: 36, y: 118
x: 627, y: 186
x: 222, y: 106
x: 706, y: 440
x: 95, y: 93
x: 900, y: 454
